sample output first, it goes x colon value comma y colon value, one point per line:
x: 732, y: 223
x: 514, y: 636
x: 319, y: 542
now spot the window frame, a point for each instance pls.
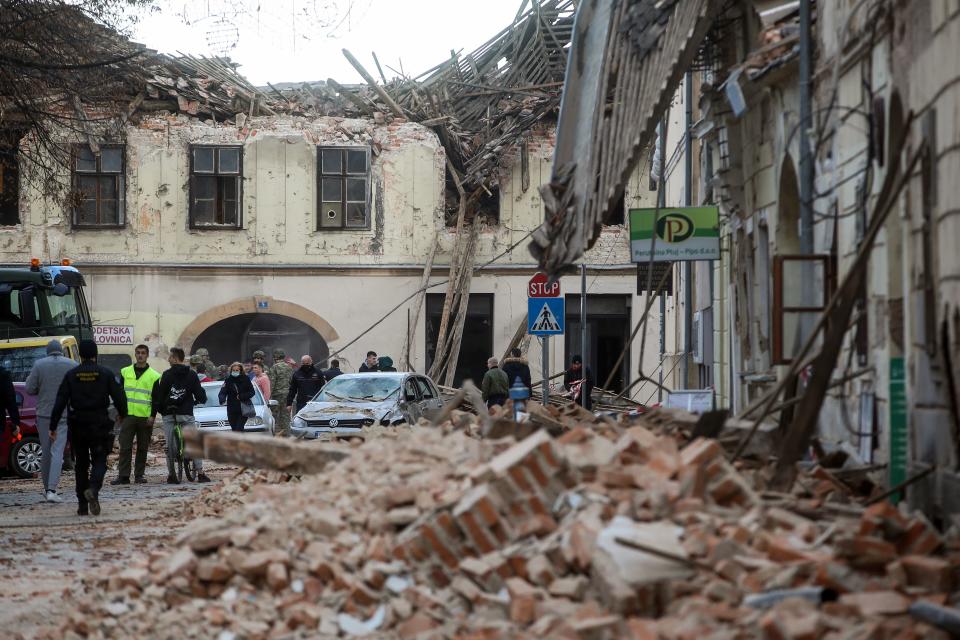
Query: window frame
x: 121, y: 187
x: 238, y: 176
x: 779, y: 310
x: 343, y: 176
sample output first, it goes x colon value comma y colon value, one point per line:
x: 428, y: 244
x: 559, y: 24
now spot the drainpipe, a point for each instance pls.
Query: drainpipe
x: 662, y: 203
x: 806, y: 122
x: 687, y: 202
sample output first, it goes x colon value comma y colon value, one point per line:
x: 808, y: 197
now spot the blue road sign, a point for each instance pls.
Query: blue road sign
x: 546, y: 316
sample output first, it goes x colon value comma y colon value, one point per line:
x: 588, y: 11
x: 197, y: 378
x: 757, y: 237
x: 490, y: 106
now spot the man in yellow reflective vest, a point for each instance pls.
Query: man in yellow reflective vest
x: 138, y: 382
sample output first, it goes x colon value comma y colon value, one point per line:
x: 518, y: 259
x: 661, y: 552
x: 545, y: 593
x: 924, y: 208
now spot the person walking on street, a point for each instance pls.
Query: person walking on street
x: 178, y: 391
x: 44, y: 383
x: 370, y: 364
x: 261, y: 380
x: 495, y: 386
x: 138, y: 382
x: 306, y: 383
x: 236, y: 390
x: 333, y: 371
x: 578, y: 380
x: 257, y: 359
x: 516, y: 367
x: 280, y: 375
x: 85, y: 394
x: 212, y: 369
x: 197, y: 364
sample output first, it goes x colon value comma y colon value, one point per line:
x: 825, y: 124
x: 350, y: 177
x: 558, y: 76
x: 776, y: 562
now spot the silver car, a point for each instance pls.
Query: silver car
x: 352, y: 401
x: 211, y: 416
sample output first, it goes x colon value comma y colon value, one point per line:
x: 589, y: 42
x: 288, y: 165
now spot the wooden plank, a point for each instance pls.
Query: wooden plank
x: 295, y: 457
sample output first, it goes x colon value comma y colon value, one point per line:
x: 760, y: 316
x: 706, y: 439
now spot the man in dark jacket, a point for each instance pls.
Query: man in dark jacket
x: 579, y: 380
x: 178, y: 391
x: 304, y: 384
x: 333, y: 371
x: 371, y: 363
x: 385, y: 363
x: 516, y: 367
x: 85, y: 393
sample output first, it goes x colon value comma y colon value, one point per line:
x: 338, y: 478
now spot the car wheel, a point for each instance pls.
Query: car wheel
x: 25, y: 457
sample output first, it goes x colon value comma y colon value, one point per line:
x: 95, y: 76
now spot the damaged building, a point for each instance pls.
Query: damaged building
x: 206, y: 212
x: 833, y: 310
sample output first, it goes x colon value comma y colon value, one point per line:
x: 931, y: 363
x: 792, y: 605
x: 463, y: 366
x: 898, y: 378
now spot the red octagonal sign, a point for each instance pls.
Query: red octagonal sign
x: 538, y: 287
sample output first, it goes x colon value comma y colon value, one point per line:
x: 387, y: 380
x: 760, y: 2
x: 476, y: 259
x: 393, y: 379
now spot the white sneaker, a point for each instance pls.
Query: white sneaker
x: 52, y: 496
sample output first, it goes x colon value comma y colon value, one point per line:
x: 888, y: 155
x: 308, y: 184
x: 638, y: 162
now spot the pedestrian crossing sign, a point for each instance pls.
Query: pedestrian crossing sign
x: 545, y: 316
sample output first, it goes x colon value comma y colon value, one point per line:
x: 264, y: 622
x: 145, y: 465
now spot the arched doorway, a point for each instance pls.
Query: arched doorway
x: 235, y: 330
x: 235, y: 338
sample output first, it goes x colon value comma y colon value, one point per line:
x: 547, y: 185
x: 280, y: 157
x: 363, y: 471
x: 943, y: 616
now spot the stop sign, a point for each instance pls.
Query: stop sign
x: 538, y: 287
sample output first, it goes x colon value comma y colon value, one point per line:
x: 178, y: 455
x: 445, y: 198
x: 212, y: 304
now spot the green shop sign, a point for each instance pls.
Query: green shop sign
x: 684, y: 233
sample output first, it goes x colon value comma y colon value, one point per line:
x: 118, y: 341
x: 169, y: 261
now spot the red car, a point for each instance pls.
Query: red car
x: 21, y: 455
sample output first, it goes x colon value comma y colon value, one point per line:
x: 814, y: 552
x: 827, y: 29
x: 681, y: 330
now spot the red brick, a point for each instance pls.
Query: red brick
x: 873, y: 603
x: 440, y: 549
x: 416, y: 625
x: 700, y: 451
x: 930, y: 573
x: 475, y: 533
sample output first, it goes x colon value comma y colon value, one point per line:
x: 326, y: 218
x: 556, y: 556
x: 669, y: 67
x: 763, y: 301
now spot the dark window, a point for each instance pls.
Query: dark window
x: 343, y: 188
x: 426, y: 392
x: 216, y: 187
x: 801, y: 287
x: 477, y: 342
x: 616, y: 215
x: 98, y: 187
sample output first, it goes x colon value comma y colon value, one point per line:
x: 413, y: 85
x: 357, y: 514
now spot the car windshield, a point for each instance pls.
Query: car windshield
x: 19, y: 360
x: 374, y: 388
x: 213, y: 393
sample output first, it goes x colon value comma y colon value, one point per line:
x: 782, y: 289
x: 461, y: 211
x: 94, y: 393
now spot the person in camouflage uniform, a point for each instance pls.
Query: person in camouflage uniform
x: 212, y: 369
x: 258, y: 358
x: 280, y: 375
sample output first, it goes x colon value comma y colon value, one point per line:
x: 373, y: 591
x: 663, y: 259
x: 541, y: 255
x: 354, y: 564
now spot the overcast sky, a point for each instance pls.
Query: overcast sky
x: 296, y: 40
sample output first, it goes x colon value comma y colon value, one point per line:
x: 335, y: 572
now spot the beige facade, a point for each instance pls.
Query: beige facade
x: 181, y: 285
x: 876, y: 62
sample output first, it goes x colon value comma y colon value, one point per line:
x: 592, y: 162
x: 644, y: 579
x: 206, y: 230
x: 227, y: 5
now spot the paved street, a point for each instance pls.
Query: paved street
x: 45, y: 548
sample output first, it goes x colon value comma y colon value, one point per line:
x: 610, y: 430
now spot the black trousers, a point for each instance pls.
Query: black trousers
x: 236, y: 419
x: 496, y: 399
x: 91, y: 445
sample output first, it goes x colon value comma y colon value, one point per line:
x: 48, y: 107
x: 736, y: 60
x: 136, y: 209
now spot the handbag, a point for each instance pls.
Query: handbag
x: 247, y: 410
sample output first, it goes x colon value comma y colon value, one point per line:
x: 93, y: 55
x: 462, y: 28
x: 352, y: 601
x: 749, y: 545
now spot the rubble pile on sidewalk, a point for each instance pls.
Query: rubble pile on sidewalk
x: 606, y: 531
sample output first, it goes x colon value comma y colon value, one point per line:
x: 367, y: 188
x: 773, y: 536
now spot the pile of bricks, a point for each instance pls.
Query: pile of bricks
x: 607, y: 531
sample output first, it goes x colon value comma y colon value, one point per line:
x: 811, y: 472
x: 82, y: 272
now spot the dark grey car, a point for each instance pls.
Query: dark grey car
x: 352, y: 401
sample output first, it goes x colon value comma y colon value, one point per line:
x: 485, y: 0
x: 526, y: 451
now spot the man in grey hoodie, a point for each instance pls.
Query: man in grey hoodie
x: 44, y: 381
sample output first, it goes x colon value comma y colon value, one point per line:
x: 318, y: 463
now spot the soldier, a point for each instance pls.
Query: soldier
x: 258, y: 358
x: 280, y: 375
x: 211, y: 369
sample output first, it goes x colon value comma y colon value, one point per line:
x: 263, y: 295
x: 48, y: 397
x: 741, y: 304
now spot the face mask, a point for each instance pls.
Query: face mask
x: 235, y: 374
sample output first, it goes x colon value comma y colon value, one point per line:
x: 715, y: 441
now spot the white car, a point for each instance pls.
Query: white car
x: 352, y: 401
x: 212, y: 416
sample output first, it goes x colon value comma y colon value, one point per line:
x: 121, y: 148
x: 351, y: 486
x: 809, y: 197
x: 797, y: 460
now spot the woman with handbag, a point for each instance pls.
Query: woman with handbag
x: 237, y: 393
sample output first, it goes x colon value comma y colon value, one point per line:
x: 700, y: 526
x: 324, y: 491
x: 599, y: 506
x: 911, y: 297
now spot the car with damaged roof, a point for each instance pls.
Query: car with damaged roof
x: 353, y: 401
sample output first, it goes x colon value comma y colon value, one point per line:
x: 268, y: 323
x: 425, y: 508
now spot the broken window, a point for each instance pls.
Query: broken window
x: 800, y: 294
x: 343, y: 174
x: 98, y: 187
x: 215, y: 187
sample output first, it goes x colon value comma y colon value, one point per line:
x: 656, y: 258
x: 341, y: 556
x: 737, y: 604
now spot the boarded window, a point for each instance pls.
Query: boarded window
x: 98, y: 187
x: 800, y: 293
x: 216, y: 187
x: 343, y: 176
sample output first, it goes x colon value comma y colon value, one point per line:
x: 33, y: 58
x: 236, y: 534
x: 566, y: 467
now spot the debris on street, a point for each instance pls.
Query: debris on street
x: 625, y: 528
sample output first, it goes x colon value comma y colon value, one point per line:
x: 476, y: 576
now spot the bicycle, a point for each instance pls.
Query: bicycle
x: 182, y: 463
